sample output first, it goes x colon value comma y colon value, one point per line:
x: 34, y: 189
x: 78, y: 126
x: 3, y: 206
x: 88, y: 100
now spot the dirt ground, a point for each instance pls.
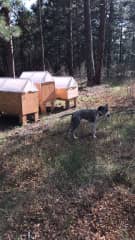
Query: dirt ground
x: 55, y: 188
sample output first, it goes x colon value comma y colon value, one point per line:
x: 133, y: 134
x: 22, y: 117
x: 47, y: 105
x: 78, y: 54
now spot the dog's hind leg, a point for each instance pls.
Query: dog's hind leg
x: 74, y: 124
x: 74, y: 135
x: 71, y: 132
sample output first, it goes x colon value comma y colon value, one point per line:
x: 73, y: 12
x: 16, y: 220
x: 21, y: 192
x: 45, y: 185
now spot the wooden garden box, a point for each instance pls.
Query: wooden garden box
x: 19, y: 98
x: 46, y: 95
x: 66, y: 89
x: 46, y: 86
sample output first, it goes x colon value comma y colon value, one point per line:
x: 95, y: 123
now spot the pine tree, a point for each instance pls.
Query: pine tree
x: 89, y: 43
x: 8, y: 31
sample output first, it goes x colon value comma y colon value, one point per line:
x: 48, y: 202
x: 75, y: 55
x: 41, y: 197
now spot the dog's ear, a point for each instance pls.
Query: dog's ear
x: 100, y: 108
x: 106, y: 105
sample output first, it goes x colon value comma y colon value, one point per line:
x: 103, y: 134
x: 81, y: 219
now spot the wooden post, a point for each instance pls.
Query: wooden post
x: 23, y: 119
x: 36, y: 116
x: 42, y: 108
x: 52, y: 106
x: 75, y: 102
x: 67, y: 104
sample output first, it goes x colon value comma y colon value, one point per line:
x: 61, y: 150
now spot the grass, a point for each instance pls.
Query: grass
x: 2, y: 139
x: 49, y: 167
x: 77, y: 160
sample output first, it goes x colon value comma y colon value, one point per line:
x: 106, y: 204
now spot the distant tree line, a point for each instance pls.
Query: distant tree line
x: 76, y: 37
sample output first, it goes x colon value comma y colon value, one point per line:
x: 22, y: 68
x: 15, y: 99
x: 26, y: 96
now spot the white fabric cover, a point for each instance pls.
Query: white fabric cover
x: 15, y: 85
x: 38, y: 76
x: 65, y: 82
x: 41, y: 77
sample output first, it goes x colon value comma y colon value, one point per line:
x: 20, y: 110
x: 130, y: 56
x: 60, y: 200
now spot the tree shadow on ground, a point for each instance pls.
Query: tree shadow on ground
x: 47, y: 175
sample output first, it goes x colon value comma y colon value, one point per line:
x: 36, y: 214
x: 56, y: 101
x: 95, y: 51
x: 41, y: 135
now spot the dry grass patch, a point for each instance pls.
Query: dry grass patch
x: 55, y: 188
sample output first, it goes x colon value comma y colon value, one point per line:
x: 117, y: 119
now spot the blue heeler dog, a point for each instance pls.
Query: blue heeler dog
x: 91, y: 115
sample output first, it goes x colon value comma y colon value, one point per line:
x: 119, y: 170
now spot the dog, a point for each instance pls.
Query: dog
x: 91, y: 115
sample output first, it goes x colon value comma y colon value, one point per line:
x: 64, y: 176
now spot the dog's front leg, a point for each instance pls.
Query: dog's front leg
x: 94, y: 130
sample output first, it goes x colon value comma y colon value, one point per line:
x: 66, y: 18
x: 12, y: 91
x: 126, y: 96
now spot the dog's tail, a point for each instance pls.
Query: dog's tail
x: 65, y: 115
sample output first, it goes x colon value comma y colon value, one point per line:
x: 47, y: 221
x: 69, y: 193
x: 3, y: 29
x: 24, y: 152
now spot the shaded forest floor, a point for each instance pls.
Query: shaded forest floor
x: 56, y: 188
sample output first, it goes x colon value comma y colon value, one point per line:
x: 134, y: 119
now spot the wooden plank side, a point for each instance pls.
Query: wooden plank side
x: 66, y: 94
x: 30, y: 103
x: 10, y: 103
x: 48, y: 92
x: 38, y: 85
x: 72, y: 93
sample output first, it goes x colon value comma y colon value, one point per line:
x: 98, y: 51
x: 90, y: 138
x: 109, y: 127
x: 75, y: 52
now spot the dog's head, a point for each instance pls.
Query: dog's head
x: 103, y: 111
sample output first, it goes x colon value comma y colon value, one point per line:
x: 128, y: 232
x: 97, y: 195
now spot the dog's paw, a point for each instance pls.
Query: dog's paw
x: 75, y: 137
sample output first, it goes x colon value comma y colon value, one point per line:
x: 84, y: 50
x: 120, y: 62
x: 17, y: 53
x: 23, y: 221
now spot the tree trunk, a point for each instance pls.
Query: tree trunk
x: 12, y: 53
x: 120, y: 48
x: 78, y: 51
x: 41, y: 34
x: 8, y: 48
x: 89, y: 43
x: 101, y: 42
x: 70, y: 38
x: 109, y: 35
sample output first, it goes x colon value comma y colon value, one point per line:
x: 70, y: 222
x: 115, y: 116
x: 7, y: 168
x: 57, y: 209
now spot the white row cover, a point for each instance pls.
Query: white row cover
x: 41, y: 77
x: 15, y: 85
x: 38, y: 76
x: 65, y: 82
